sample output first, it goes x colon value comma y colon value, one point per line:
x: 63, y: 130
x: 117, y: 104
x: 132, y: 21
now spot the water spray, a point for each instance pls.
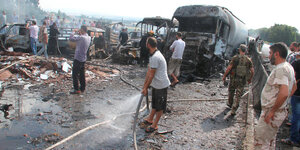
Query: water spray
x: 114, y: 118
x: 135, y: 121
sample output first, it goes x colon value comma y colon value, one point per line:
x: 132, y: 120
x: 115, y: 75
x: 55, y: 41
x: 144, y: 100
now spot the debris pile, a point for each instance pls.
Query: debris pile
x: 34, y: 69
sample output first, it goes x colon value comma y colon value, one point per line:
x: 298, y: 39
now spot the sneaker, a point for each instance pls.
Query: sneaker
x: 75, y: 92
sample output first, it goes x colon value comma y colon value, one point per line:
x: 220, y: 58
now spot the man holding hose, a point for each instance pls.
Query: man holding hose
x: 157, y: 78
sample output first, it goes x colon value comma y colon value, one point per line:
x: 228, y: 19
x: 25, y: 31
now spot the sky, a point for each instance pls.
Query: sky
x: 255, y: 13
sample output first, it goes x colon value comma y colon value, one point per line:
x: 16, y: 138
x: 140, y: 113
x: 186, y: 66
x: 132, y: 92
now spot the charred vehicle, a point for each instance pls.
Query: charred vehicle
x: 212, y: 35
x: 68, y: 46
x: 130, y: 53
x: 15, y: 36
x: 163, y: 29
x: 96, y: 51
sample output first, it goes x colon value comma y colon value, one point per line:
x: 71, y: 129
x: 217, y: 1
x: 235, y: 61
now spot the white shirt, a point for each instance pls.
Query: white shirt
x: 282, y: 74
x: 160, y: 79
x: 178, y: 47
x: 34, y: 29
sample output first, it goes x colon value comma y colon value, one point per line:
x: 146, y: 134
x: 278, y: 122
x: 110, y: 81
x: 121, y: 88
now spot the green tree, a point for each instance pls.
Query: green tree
x: 278, y: 33
x: 282, y: 33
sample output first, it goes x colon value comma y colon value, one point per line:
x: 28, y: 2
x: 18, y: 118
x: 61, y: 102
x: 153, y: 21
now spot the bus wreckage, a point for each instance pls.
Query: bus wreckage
x: 130, y: 53
x: 212, y: 35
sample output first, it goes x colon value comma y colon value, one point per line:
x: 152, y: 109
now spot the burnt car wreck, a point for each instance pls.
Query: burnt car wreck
x: 15, y: 36
x: 212, y: 35
x: 130, y: 53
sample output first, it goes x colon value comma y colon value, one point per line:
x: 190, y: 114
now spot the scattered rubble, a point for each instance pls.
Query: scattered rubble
x: 49, y: 138
x: 5, y: 75
x: 35, y: 69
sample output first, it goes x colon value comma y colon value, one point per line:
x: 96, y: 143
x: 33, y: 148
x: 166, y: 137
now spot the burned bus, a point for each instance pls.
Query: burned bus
x: 130, y: 53
x: 212, y: 35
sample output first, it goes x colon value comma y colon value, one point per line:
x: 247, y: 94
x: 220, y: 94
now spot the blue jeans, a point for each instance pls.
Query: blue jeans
x: 43, y: 50
x: 295, y: 128
x: 33, y: 45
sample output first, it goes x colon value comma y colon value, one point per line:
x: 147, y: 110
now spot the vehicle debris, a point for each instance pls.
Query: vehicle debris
x: 212, y: 35
x: 38, y: 87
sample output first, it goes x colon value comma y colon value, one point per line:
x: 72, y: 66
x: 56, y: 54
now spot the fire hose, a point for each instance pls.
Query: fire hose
x: 136, y: 119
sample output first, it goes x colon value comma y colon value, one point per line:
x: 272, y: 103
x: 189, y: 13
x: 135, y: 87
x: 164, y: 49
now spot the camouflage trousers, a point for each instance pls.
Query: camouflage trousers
x: 235, y: 91
x: 265, y: 134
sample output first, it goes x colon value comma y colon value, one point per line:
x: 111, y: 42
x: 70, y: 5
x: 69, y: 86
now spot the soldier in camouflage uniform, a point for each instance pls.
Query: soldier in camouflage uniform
x: 280, y: 85
x: 239, y: 68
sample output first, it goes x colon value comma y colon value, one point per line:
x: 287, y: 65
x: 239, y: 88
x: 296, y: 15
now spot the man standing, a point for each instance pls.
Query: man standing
x: 3, y: 19
x: 15, y: 18
x: 158, y: 78
x: 82, y: 44
x: 291, y: 58
x: 57, y: 21
x: 43, y: 38
x: 239, y: 68
x: 294, y: 48
x: 279, y: 86
x: 53, y: 37
x: 144, y: 57
x: 33, y: 18
x: 33, y: 29
x: 99, y: 42
x: 295, y: 104
x: 123, y: 37
x: 175, y: 62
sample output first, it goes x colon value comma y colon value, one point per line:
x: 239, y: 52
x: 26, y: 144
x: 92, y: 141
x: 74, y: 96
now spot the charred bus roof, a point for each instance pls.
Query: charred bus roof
x: 156, y: 21
x: 203, y: 11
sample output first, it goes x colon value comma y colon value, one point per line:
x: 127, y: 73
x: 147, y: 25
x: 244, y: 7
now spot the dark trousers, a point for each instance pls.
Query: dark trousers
x: 295, y: 128
x: 52, y: 46
x: 78, y: 71
x: 144, y: 59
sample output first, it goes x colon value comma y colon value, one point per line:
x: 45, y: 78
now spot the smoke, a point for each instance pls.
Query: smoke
x: 23, y: 9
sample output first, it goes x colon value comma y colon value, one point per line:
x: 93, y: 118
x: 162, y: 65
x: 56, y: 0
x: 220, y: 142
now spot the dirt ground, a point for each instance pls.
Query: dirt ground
x: 44, y: 114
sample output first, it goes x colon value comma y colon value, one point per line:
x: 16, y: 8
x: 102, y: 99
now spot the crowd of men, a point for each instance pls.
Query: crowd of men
x: 280, y: 90
x: 54, y: 23
x: 280, y: 86
x: 279, y: 93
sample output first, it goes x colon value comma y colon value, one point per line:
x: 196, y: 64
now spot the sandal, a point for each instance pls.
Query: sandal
x: 146, y: 123
x: 150, y: 129
x: 173, y: 85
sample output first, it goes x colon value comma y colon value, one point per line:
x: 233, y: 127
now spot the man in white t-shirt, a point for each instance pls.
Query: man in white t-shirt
x: 157, y: 77
x: 175, y: 62
x: 33, y: 29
